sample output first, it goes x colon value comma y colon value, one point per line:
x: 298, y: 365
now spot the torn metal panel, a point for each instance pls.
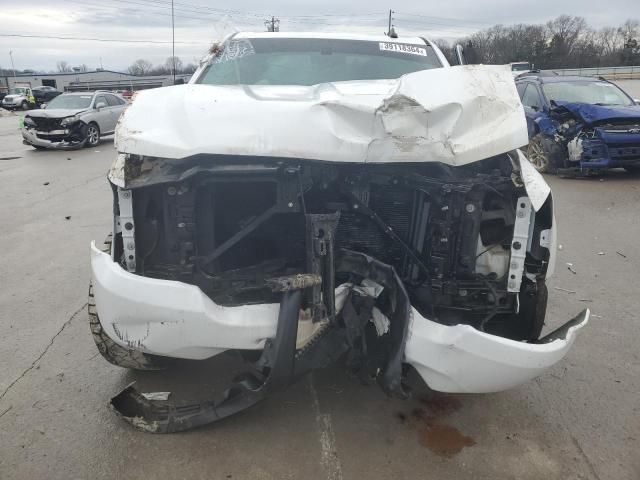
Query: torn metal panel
x: 538, y: 189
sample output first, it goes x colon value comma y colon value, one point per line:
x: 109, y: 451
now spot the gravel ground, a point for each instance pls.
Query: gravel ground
x: 581, y: 420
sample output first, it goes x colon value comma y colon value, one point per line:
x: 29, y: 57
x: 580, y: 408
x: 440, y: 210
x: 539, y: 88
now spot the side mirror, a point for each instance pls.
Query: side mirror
x: 43, y: 106
x: 460, y: 54
x: 100, y: 105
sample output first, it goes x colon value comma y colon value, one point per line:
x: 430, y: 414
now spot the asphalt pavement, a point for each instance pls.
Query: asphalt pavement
x: 581, y: 420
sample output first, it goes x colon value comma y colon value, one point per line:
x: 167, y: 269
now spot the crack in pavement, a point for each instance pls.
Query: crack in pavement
x: 44, y: 352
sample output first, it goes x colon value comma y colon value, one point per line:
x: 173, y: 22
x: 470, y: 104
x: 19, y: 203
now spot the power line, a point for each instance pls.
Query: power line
x: 193, y: 8
x: 106, y: 8
x: 90, y: 39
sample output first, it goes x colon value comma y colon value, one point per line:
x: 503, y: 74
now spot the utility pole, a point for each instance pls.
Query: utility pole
x: 272, y: 25
x: 173, y: 44
x: 12, y: 66
x: 391, y: 12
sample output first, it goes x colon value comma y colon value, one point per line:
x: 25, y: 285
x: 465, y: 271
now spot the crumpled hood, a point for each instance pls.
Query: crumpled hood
x: 453, y: 115
x: 590, y: 114
x: 55, y: 112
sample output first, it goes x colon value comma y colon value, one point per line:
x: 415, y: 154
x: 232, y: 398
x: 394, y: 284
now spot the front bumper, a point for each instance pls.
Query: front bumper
x: 176, y: 319
x: 30, y: 137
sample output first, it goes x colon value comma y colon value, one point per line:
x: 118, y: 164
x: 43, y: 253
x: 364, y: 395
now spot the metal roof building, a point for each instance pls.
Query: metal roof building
x: 93, y: 80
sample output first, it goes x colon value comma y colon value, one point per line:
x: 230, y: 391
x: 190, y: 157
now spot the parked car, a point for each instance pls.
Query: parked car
x: 520, y: 68
x: 44, y: 94
x: 73, y: 120
x: 579, y: 124
x: 311, y: 195
x: 19, y: 97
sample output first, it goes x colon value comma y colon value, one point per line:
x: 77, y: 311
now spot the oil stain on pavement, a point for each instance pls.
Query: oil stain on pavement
x: 442, y: 439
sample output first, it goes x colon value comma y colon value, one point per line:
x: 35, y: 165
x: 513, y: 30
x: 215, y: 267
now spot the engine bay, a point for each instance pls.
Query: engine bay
x: 232, y: 225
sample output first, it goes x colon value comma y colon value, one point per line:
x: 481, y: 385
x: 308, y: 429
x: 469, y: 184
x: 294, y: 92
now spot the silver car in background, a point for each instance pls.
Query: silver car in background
x: 73, y: 120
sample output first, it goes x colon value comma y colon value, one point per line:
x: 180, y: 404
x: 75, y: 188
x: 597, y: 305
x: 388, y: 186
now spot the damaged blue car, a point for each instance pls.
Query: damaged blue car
x: 579, y: 125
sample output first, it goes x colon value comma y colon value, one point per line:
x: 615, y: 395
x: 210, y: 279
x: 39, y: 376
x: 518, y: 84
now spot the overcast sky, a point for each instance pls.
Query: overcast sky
x: 199, y: 22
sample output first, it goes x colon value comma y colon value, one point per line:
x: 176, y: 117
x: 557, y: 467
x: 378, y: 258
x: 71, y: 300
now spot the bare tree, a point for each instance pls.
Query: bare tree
x: 611, y: 40
x: 169, y: 64
x: 189, y: 68
x: 63, y: 67
x: 630, y: 29
x: 140, y: 67
x: 564, y: 42
x: 446, y: 48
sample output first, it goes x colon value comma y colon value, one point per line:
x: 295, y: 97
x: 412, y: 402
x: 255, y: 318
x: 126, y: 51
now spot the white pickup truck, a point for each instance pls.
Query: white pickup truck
x: 309, y: 196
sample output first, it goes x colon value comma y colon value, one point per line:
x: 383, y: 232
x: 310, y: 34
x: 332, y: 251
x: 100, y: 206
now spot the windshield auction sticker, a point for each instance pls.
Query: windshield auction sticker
x: 403, y: 48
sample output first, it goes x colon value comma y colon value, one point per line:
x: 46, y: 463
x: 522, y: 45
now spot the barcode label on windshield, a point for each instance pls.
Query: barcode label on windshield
x: 402, y: 48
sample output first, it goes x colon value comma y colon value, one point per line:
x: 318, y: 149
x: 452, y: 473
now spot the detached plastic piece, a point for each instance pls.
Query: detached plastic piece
x: 161, y: 416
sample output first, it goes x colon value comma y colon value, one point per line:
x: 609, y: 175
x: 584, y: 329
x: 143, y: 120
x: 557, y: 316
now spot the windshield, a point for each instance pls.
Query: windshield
x: 18, y: 91
x: 70, y: 101
x: 595, y: 93
x: 310, y: 61
x: 519, y: 67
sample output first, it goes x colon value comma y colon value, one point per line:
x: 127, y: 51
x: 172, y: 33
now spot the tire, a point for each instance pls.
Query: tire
x: 93, y: 135
x: 24, y: 105
x: 110, y: 350
x: 538, y: 155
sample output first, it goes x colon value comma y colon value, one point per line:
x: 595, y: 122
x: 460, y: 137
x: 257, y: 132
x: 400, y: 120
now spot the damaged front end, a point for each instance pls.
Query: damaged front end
x: 356, y: 256
x: 381, y: 223
x: 582, y: 137
x: 67, y: 133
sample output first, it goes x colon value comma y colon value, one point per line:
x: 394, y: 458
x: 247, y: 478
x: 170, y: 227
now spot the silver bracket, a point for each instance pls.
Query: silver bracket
x: 127, y: 228
x: 520, y: 243
x: 545, y: 239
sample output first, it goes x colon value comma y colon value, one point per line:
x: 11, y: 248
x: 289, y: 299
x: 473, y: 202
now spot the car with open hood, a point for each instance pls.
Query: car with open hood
x: 312, y: 196
x: 580, y: 124
x: 73, y: 120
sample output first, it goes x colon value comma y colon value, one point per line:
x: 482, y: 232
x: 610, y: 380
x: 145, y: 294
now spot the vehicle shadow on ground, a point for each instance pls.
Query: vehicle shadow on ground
x: 616, y: 174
